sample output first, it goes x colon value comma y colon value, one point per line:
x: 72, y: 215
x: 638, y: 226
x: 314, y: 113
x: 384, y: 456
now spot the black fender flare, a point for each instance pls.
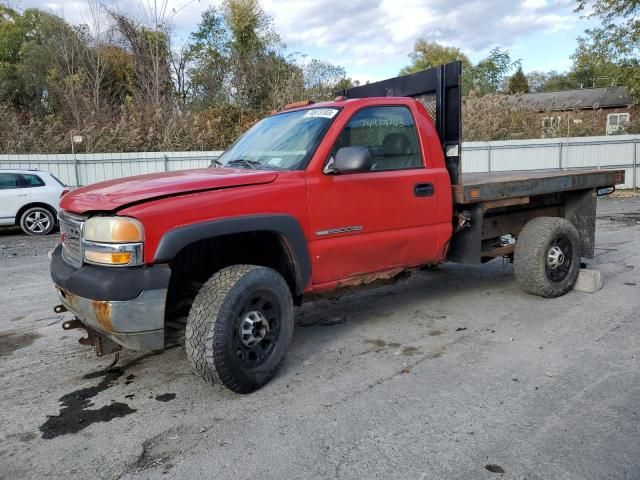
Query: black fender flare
x: 286, y: 226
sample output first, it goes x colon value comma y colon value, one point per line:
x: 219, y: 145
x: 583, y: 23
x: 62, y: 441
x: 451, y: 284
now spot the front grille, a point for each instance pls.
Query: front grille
x: 71, y: 237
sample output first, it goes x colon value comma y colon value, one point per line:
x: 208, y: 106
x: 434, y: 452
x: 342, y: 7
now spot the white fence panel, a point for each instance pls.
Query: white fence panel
x: 83, y: 169
x: 620, y: 151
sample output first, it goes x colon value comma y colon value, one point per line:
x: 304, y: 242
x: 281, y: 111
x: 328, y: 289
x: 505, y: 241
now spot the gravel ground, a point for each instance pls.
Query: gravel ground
x: 14, y: 243
x: 454, y: 373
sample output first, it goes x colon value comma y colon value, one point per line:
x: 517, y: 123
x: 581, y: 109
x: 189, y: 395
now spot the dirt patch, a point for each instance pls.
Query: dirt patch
x: 410, y: 351
x: 158, y: 451
x: 14, y: 243
x: 23, y: 437
x: 630, y: 193
x: 11, y: 342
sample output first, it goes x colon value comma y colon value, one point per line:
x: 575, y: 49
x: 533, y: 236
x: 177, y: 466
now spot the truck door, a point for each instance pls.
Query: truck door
x: 12, y: 197
x: 377, y: 220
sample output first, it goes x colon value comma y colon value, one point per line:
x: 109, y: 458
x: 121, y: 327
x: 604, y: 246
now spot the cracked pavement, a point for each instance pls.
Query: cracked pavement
x: 438, y: 376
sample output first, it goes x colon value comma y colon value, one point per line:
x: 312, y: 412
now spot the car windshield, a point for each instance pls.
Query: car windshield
x: 281, y: 142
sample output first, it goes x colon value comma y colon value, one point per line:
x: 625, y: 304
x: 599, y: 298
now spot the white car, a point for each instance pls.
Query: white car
x: 30, y: 199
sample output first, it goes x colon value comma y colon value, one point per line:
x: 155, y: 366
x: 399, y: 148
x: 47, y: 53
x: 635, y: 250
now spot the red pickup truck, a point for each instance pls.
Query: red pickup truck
x: 311, y: 199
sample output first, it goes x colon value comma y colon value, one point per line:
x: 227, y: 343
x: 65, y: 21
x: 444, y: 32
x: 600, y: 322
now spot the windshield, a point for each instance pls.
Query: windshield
x: 281, y: 142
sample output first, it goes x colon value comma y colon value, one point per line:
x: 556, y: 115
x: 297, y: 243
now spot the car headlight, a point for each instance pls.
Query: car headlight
x: 113, y: 241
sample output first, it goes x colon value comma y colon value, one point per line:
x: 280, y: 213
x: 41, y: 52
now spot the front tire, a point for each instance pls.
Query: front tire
x: 547, y: 257
x: 37, y: 221
x: 239, y: 327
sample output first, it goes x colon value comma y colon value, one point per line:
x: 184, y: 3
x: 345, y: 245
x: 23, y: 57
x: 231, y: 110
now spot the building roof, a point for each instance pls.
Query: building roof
x: 585, y: 98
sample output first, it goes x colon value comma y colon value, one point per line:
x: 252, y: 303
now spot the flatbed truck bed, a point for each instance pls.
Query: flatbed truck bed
x: 495, y: 186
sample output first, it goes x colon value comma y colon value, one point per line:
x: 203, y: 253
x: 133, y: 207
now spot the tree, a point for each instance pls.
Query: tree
x: 97, y: 66
x: 610, y: 53
x: 485, y: 77
x: 488, y: 75
x: 149, y: 48
x: 25, y: 58
x: 431, y: 54
x: 322, y: 79
x: 251, y: 41
x: 518, y: 82
x: 124, y: 85
x: 207, y: 53
x: 556, y: 81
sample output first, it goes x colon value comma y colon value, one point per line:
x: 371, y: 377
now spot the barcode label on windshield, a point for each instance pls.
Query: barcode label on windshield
x: 321, y: 113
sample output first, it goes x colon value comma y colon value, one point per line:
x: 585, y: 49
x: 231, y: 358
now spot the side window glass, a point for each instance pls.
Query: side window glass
x: 8, y: 181
x: 388, y: 132
x: 32, y: 181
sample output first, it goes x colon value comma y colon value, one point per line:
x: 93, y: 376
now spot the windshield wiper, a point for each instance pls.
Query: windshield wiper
x: 216, y: 162
x: 248, y: 163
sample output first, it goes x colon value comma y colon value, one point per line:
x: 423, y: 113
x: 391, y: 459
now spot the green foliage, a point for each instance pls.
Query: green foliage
x: 427, y: 55
x: 484, y: 78
x: 207, y: 56
x: 610, y: 53
x: 120, y: 84
x: 489, y: 74
x: 126, y: 85
x: 551, y: 81
x: 518, y: 82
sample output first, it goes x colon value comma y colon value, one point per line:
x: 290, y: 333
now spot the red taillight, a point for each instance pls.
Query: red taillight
x: 64, y: 192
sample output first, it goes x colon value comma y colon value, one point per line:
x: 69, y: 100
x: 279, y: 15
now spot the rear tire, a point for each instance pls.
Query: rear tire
x: 37, y: 221
x: 547, y: 257
x: 239, y: 327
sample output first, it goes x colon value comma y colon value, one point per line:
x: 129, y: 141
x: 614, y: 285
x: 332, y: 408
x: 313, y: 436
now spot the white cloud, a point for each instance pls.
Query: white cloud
x: 366, y: 32
x: 363, y: 33
x: 534, y: 4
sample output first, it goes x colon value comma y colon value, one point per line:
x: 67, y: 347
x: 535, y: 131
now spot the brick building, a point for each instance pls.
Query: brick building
x: 595, y: 111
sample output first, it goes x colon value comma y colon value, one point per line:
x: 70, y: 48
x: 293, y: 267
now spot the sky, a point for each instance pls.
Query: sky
x: 372, y: 39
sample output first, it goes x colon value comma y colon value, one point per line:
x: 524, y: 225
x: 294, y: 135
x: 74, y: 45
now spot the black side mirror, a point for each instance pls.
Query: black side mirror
x: 351, y: 160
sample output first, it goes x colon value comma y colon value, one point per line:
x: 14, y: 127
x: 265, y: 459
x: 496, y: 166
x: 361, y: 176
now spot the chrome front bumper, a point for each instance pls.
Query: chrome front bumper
x: 136, y: 324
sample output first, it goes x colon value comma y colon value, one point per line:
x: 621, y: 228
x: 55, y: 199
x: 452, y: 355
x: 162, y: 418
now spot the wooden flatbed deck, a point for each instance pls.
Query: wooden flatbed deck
x: 481, y: 187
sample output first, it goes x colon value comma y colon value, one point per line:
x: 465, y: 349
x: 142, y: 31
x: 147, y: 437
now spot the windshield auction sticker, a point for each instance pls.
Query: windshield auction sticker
x: 321, y: 113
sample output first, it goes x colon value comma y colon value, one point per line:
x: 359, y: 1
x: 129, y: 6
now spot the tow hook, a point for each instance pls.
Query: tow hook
x: 71, y: 324
x: 102, y: 344
x: 60, y: 309
x: 75, y: 323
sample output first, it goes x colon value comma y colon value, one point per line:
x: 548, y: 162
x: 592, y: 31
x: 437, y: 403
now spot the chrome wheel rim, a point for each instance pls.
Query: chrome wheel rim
x: 555, y: 257
x: 559, y: 258
x: 37, y: 222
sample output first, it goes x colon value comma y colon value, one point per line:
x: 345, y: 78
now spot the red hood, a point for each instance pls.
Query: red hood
x: 111, y: 195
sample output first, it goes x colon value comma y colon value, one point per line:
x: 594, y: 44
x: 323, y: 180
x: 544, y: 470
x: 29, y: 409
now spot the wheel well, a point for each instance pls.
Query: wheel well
x: 196, y: 262
x: 36, y: 204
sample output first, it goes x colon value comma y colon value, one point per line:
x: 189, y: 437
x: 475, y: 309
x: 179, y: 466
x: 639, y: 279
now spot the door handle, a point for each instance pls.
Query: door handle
x: 423, y: 189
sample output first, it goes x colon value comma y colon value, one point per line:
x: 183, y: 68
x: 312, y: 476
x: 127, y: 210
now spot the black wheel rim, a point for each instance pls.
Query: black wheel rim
x: 559, y: 258
x: 254, y: 349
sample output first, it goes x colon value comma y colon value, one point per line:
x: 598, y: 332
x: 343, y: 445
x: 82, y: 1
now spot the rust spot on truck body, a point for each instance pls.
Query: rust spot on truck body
x: 102, y: 311
x: 368, y: 278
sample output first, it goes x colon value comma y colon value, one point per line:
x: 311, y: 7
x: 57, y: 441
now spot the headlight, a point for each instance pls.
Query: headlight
x: 113, y: 241
x: 113, y: 230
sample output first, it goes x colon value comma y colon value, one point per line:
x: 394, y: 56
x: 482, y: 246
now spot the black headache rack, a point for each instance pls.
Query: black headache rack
x: 440, y: 90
